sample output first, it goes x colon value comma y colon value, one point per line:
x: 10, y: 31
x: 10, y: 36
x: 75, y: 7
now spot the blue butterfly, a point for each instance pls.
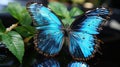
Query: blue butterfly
x: 81, y: 34
x: 78, y: 64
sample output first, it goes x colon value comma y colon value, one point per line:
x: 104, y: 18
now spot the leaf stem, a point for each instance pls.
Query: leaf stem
x: 26, y: 40
x: 11, y: 27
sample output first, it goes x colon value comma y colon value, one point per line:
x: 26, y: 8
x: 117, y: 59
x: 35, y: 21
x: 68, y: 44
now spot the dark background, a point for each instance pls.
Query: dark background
x: 110, y: 49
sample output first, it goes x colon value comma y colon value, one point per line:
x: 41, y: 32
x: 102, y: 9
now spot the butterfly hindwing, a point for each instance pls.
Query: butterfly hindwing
x: 48, y: 63
x: 77, y: 64
x: 81, y: 45
x: 83, y: 32
x: 50, y: 37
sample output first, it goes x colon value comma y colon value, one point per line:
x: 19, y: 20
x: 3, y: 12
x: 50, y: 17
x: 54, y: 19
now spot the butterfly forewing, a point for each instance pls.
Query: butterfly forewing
x: 49, y: 38
x: 82, y: 37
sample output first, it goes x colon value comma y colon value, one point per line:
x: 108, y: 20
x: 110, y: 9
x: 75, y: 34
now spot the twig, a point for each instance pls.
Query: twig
x: 11, y: 27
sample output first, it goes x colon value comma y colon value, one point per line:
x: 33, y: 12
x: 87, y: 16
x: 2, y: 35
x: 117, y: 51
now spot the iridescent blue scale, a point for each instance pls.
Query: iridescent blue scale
x: 48, y: 63
x: 50, y: 37
x: 77, y: 64
x: 90, y: 26
x: 81, y: 44
x: 81, y: 34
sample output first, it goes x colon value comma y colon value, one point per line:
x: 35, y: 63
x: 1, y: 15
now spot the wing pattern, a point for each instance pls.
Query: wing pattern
x: 77, y: 64
x: 50, y: 37
x: 49, y: 63
x: 83, y: 41
x: 81, y: 34
x: 81, y: 45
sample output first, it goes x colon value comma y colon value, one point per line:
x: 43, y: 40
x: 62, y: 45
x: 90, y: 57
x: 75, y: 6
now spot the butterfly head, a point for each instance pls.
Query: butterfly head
x: 103, y: 12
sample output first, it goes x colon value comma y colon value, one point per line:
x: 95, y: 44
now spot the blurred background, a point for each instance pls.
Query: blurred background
x: 110, y: 49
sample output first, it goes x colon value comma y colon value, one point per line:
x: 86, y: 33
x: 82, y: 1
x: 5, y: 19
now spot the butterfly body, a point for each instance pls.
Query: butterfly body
x: 52, y: 33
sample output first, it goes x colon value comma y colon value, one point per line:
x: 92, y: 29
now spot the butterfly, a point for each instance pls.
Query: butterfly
x: 77, y: 64
x: 81, y: 34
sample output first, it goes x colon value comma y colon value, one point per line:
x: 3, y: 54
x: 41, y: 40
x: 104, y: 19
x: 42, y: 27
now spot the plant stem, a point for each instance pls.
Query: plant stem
x: 11, y: 27
x: 26, y: 40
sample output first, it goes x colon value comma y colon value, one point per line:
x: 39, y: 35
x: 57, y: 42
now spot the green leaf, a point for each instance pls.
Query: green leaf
x: 75, y: 12
x: 59, y: 8
x: 67, y: 21
x: 26, y: 18
x: 15, y: 9
x: 25, y: 31
x: 2, y: 28
x: 30, y: 29
x: 14, y: 43
x: 20, y: 13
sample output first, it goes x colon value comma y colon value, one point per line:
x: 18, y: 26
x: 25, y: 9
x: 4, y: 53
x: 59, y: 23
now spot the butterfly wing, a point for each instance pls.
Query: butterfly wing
x: 83, y: 41
x: 49, y: 38
x: 48, y: 63
x: 77, y: 64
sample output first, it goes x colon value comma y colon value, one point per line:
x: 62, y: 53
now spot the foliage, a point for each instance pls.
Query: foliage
x: 66, y: 16
x: 14, y: 43
x: 13, y: 37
